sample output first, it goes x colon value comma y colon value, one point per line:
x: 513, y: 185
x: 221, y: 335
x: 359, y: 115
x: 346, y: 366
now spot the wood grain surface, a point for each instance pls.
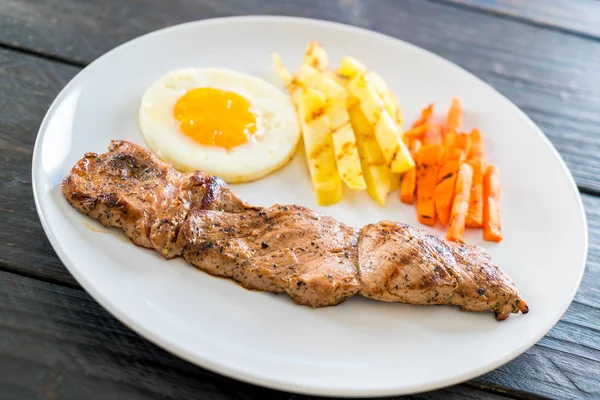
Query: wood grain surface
x: 552, y: 76
x: 580, y: 17
x: 57, y: 343
x: 29, y: 84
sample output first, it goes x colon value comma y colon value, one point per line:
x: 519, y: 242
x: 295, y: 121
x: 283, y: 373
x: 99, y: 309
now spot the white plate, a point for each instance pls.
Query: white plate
x: 359, y: 348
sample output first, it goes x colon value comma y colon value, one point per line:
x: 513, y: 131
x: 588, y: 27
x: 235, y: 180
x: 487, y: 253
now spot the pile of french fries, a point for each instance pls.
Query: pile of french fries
x: 351, y: 126
x: 451, y: 181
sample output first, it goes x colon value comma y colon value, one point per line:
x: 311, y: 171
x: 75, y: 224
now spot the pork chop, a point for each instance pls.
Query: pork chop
x: 279, y: 249
x: 129, y: 188
x: 400, y: 263
x: 315, y: 259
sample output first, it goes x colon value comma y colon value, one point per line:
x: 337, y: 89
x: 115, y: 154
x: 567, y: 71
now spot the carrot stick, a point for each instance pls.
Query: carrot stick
x: 449, y: 139
x: 408, y: 185
x: 425, y: 117
x: 444, y: 188
x: 428, y: 160
x: 454, y: 118
x: 476, y: 149
x: 463, y: 141
x: 414, y: 133
x: 475, y: 213
x: 433, y: 135
x: 460, y: 205
x: 491, y: 205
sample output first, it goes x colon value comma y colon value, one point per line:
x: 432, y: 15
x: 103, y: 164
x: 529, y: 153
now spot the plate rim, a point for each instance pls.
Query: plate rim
x: 257, y: 379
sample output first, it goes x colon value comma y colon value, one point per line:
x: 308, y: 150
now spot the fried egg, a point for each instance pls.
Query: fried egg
x: 218, y: 121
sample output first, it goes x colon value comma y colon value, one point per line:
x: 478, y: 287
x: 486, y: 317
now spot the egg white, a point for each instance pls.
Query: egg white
x: 272, y: 147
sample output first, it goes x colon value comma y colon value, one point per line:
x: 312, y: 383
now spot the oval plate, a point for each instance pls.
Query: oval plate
x: 361, y: 347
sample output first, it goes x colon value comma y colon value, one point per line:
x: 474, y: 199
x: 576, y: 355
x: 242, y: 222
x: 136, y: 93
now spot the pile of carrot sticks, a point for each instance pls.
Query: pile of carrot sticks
x: 451, y: 183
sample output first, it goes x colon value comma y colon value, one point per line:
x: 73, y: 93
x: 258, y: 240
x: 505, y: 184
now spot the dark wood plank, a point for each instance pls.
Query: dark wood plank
x: 29, y: 85
x: 58, y: 343
x: 551, y: 75
x: 581, y: 17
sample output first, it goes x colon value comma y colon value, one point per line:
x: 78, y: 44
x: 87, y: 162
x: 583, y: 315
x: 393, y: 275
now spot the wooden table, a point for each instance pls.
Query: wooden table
x: 57, y: 343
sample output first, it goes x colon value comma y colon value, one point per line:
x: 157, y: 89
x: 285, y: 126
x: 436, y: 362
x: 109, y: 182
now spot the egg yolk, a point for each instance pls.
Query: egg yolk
x: 215, y: 117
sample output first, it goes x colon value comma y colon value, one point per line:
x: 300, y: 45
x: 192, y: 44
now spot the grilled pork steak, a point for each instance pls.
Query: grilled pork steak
x: 280, y: 249
x: 317, y: 260
x: 400, y: 263
x: 129, y: 188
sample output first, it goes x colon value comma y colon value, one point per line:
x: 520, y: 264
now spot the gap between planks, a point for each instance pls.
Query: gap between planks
x: 5, y: 267
x: 500, y: 391
x: 588, y: 191
x: 44, y: 55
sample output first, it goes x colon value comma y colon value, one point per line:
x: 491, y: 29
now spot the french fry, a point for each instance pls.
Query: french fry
x: 475, y: 214
x: 345, y: 147
x: 491, y: 205
x: 370, y: 102
x: 320, y: 157
x: 291, y: 84
x: 376, y: 172
x: 460, y: 205
x: 344, y: 142
x: 350, y: 67
x: 308, y: 76
x: 343, y: 81
x: 393, y: 148
x: 428, y: 160
x: 476, y: 149
x: 454, y: 118
x: 395, y: 181
x: 316, y: 56
x: 446, y: 178
x: 408, y: 185
x: 389, y: 99
x: 284, y: 74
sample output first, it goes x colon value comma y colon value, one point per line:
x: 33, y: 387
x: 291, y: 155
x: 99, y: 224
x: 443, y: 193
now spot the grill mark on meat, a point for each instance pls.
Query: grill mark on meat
x: 437, y: 271
x: 285, y: 264
x: 315, y: 259
x: 127, y: 187
x: 412, y: 271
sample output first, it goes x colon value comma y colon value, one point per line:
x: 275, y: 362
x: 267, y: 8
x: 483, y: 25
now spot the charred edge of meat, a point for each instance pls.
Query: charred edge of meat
x: 520, y: 305
x: 85, y: 203
x: 212, y: 187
